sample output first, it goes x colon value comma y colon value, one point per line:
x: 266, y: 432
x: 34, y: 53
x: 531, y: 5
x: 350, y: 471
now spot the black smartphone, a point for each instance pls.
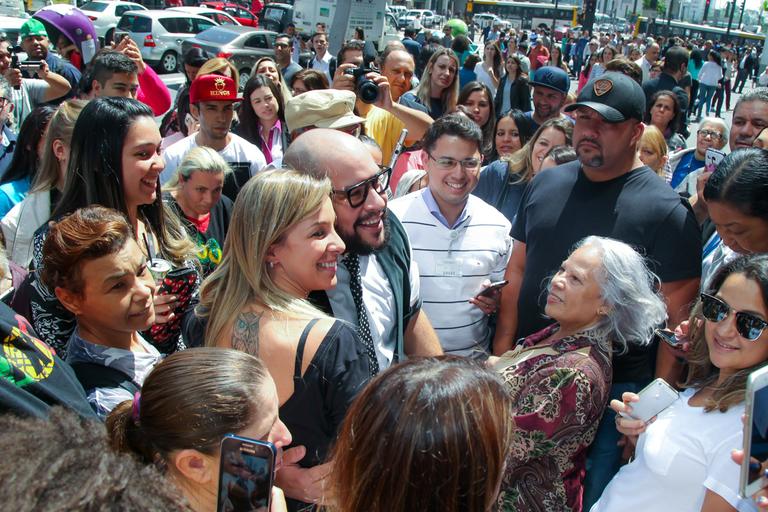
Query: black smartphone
x: 669, y: 337
x: 246, y: 472
x: 753, y: 469
x: 498, y: 285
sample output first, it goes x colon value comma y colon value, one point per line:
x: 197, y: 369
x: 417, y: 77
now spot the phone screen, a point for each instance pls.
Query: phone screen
x: 712, y: 159
x: 758, y: 441
x: 245, y: 475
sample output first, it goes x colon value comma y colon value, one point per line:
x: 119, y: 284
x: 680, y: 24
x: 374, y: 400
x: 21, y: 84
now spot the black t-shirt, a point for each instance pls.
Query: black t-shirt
x: 32, y: 377
x: 561, y: 207
x: 211, y: 243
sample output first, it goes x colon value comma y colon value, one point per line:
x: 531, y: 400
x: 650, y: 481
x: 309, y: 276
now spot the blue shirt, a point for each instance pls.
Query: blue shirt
x: 11, y: 194
x: 687, y: 164
x: 434, y: 209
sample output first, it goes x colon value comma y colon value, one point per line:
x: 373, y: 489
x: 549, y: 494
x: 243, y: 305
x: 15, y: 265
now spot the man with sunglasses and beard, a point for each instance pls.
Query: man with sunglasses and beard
x: 606, y: 192
x: 378, y: 281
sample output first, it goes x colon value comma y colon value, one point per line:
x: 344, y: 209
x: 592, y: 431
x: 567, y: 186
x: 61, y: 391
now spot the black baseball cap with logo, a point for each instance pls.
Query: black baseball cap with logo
x: 615, y: 96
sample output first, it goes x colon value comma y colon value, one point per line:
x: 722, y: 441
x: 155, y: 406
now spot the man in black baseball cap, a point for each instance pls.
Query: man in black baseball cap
x: 609, y: 114
x: 606, y: 192
x: 550, y: 88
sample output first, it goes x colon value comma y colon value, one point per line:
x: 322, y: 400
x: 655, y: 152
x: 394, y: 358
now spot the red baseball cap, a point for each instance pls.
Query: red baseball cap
x: 213, y: 88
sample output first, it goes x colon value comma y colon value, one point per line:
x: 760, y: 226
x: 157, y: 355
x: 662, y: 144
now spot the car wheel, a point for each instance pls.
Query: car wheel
x: 245, y: 75
x: 109, y: 36
x: 169, y: 62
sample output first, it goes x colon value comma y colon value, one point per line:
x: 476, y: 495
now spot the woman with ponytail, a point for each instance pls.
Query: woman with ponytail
x: 186, y: 406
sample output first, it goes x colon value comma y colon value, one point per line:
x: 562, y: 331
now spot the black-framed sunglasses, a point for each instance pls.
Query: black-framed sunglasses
x: 356, y: 194
x: 748, y: 325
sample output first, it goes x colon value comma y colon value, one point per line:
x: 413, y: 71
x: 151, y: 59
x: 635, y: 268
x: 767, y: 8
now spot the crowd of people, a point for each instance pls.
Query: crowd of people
x: 429, y: 276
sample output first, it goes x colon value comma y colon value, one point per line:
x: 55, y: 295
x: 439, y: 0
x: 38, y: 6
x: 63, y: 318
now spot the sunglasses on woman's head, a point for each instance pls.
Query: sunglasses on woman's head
x: 748, y: 325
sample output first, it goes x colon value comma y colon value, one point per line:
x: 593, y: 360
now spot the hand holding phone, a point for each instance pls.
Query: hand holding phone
x: 491, y: 288
x: 755, y: 463
x: 246, y: 474
x: 653, y: 399
x: 712, y: 159
x: 487, y: 300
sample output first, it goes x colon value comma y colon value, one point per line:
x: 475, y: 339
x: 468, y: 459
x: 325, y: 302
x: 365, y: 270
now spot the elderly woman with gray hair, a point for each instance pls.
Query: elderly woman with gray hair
x: 195, y: 194
x: 602, y: 299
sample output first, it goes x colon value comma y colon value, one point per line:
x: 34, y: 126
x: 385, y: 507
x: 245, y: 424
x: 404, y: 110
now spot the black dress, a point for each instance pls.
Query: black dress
x: 321, y: 397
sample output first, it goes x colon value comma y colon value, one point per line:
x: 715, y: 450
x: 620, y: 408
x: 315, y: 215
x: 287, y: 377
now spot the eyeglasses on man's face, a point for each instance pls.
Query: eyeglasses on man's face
x: 446, y: 163
x: 357, y: 193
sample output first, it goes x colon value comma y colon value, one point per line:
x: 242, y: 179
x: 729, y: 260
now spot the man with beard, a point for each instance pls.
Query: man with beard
x: 550, y: 88
x: 35, y: 42
x: 749, y: 118
x: 606, y: 192
x: 378, y: 281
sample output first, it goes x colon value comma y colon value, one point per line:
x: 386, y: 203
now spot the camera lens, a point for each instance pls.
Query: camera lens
x: 367, y: 91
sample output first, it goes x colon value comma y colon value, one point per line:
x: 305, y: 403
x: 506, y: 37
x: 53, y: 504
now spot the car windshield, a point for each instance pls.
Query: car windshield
x: 217, y: 35
x: 94, y: 6
x: 273, y: 14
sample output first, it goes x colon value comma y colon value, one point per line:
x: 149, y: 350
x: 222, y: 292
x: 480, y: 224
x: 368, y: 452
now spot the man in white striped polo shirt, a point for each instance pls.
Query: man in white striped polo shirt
x: 460, y: 242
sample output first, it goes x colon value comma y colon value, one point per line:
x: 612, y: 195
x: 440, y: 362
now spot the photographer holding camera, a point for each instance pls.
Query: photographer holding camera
x: 29, y: 93
x: 385, y: 118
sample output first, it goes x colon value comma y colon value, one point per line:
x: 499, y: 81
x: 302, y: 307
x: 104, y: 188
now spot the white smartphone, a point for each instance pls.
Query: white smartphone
x: 654, y: 398
x: 712, y: 159
x: 755, y: 434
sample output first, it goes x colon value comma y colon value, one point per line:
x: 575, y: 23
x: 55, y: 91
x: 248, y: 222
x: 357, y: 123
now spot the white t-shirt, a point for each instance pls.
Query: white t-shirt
x: 28, y: 97
x: 682, y: 454
x: 710, y: 73
x: 484, y: 78
x: 238, y: 153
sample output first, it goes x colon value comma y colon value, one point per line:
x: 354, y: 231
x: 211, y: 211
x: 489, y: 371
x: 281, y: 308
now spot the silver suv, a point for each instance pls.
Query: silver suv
x: 159, y: 35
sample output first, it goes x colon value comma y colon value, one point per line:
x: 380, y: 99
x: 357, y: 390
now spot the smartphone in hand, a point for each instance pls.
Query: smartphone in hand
x: 654, y: 398
x: 669, y: 337
x: 246, y: 474
x: 498, y: 285
x: 755, y: 434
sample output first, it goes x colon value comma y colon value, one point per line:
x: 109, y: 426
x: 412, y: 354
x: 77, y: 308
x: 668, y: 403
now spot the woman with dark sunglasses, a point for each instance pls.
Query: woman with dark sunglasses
x: 682, y: 458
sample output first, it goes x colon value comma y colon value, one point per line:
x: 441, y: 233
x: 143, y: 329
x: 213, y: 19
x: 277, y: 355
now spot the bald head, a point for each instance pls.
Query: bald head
x: 398, y: 66
x: 326, y: 152
x: 358, y: 199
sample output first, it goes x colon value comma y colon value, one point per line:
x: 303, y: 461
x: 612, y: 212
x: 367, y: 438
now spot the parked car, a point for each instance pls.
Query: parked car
x: 240, y: 13
x: 10, y: 26
x: 220, y: 17
x: 397, y: 10
x: 276, y: 17
x: 242, y: 46
x: 159, y: 34
x: 408, y: 18
x: 105, y: 16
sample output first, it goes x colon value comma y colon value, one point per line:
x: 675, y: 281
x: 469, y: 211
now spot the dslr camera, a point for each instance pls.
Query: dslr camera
x: 365, y: 88
x: 28, y: 66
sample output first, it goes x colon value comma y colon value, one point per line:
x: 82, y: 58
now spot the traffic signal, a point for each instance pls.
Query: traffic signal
x: 706, y: 10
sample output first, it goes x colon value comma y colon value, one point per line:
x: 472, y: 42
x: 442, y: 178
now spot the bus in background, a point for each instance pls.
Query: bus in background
x: 658, y: 27
x: 526, y: 15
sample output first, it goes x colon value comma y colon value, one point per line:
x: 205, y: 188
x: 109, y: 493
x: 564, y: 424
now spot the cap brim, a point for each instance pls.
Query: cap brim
x: 340, y: 122
x: 610, y: 114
